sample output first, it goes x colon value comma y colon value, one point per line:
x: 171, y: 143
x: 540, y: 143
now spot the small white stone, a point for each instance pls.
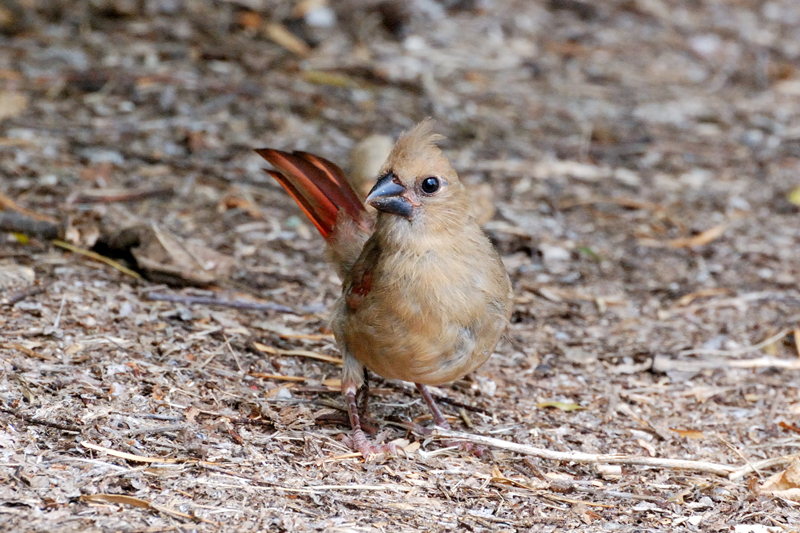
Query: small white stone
x: 125, y: 309
x: 320, y: 17
x: 415, y: 43
x: 765, y: 273
x: 284, y: 394
x: 551, y: 253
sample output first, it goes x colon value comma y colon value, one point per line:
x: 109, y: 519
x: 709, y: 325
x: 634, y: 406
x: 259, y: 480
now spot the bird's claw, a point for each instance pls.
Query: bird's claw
x: 366, y: 448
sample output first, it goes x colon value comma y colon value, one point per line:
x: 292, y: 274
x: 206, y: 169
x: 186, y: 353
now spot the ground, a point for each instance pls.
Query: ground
x: 641, y: 156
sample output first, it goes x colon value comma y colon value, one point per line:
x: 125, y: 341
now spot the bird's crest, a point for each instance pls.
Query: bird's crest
x: 416, y: 154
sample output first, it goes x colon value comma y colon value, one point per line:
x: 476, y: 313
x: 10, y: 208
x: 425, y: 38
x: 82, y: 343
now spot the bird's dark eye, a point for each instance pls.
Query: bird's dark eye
x: 430, y: 185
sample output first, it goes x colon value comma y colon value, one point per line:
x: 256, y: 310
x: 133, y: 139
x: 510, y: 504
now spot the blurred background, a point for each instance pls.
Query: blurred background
x: 637, y: 163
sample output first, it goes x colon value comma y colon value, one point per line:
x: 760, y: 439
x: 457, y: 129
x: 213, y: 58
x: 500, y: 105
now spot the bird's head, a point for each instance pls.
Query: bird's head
x: 417, y: 185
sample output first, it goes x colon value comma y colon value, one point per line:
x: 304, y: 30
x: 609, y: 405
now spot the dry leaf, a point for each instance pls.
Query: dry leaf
x: 122, y: 499
x: 700, y: 239
x: 794, y: 196
x: 502, y: 479
x: 609, y: 471
x: 279, y: 35
x: 115, y: 498
x: 333, y: 383
x: 789, y: 427
x: 320, y: 77
x: 679, y: 496
x: 249, y: 20
x: 574, y: 169
x: 83, y: 230
x: 235, y: 202
x: 689, y: 433
x: 686, y: 299
x: 264, y: 348
x: 564, y: 406
x: 784, y: 484
x: 164, y: 257
x: 12, y: 104
x: 191, y: 414
x: 127, y: 456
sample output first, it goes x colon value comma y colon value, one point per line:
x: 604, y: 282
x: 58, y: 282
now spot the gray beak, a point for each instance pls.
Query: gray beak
x: 387, y: 196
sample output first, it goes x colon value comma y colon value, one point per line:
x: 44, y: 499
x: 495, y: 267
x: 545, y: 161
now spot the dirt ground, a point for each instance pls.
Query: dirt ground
x: 643, y: 157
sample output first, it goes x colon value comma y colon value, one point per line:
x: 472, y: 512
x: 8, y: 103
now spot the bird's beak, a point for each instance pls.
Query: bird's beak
x: 388, y: 196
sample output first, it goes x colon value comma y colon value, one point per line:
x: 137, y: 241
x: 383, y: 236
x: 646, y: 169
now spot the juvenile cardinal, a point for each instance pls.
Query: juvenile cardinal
x: 425, y: 296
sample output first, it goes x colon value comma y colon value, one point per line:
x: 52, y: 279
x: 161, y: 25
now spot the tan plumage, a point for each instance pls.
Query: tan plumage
x: 425, y: 297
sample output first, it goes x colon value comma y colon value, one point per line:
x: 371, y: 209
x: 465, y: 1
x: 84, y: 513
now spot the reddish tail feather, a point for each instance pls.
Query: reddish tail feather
x: 318, y: 186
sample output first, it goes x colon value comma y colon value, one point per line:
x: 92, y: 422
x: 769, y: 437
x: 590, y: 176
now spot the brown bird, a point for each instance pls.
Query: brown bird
x: 425, y: 296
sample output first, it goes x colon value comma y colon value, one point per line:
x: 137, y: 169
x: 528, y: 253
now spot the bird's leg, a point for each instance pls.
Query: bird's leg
x: 353, y: 376
x: 438, y: 417
x: 360, y: 442
x: 439, y: 420
x: 362, y: 396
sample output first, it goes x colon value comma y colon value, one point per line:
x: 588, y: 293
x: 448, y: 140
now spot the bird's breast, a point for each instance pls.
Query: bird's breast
x: 427, y: 317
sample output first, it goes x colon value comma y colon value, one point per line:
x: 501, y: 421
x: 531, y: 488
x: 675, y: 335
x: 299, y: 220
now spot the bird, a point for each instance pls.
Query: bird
x: 425, y: 295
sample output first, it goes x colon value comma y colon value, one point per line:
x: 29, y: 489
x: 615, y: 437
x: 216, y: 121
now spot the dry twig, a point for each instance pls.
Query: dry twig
x: 700, y: 239
x: 18, y: 296
x: 119, y: 195
x: 8, y: 203
x: 40, y: 422
x: 735, y: 301
x: 221, y: 302
x: 27, y: 351
x: 590, y: 458
x: 97, y: 257
x: 739, y: 351
x: 28, y: 225
x: 122, y: 499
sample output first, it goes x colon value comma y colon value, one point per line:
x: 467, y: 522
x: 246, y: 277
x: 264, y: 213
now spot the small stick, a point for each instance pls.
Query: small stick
x: 8, y: 203
x: 263, y: 348
x: 96, y: 257
x: 20, y: 295
x: 235, y: 357
x: 797, y: 341
x: 621, y: 201
x: 279, y: 377
x: 761, y: 465
x: 212, y: 300
x: 736, y: 450
x: 113, y: 196
x: 168, y: 418
x: 251, y: 422
x: 766, y: 362
x: 734, y: 301
x: 590, y: 458
x: 700, y: 239
x: 127, y: 456
x: 27, y: 225
x: 739, y: 351
x: 27, y: 351
x: 60, y: 310
x: 40, y: 422
x: 154, y: 429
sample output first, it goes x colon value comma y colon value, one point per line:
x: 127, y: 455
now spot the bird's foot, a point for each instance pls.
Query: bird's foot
x: 361, y: 444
